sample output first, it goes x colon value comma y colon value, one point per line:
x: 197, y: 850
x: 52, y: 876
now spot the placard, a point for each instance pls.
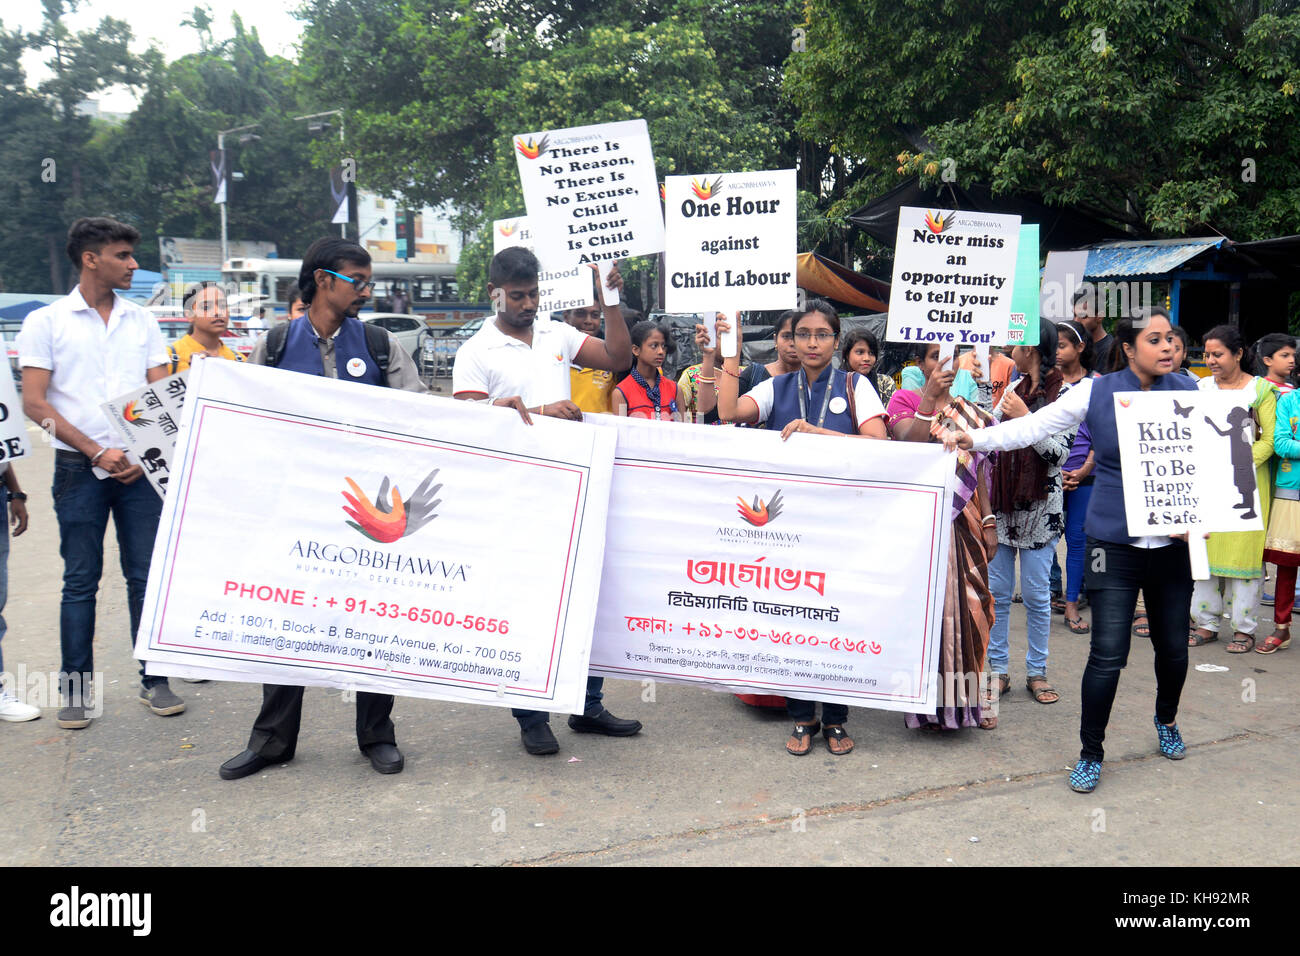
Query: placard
x: 13, y: 423
x: 1023, y: 328
x: 730, y: 564
x: 560, y: 287
x: 148, y: 420
x: 1187, y: 464
x: 591, y: 191
x: 953, y: 277
x: 731, y: 241
x: 329, y: 533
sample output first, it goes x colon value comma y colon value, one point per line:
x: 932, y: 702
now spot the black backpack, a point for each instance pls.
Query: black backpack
x: 377, y: 344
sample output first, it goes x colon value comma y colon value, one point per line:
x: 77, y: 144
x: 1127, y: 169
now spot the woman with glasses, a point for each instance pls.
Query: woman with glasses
x: 815, y: 399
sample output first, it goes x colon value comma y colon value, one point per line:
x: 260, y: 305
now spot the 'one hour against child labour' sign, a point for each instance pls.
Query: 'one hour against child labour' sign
x: 733, y: 241
x: 559, y: 287
x: 953, y: 277
x: 591, y: 191
x: 1187, y: 462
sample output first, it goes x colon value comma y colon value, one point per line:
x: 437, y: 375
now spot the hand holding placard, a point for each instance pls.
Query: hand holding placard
x: 610, y: 281
x: 728, y: 335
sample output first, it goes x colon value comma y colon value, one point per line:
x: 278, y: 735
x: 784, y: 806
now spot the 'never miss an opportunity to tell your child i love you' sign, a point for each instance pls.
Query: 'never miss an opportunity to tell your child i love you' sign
x: 953, y: 277
x: 591, y: 192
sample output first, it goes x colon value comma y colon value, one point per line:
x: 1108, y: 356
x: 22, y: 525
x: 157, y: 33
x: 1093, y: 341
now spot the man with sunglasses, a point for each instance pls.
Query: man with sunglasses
x: 329, y: 340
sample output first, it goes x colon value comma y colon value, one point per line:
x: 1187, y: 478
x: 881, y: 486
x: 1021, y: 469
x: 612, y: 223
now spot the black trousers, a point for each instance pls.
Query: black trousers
x: 275, y: 732
x: 1114, y: 574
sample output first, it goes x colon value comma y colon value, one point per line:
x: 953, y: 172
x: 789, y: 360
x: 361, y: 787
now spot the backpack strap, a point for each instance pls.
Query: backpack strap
x: 275, y: 340
x: 378, y: 345
x: 174, y: 359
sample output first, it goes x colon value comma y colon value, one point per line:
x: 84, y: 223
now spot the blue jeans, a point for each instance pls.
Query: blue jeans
x: 82, y: 504
x: 531, y: 718
x: 1076, y: 509
x: 1035, y: 566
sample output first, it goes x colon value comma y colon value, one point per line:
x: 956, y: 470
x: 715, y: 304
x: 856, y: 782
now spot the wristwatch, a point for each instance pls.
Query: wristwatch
x: 16, y: 495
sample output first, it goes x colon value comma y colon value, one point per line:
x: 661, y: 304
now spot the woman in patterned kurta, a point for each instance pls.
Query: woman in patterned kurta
x: 968, y: 604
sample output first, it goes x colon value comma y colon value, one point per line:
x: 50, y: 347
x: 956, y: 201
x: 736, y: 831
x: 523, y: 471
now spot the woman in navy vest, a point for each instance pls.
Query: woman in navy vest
x: 1118, y: 565
x: 816, y: 400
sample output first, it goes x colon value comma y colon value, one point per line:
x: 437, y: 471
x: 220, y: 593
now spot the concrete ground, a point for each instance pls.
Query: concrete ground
x: 707, y: 782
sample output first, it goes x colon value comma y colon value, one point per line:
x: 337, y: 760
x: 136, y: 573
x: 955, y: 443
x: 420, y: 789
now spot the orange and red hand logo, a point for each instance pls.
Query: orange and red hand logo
x: 759, y: 514
x: 706, y: 189
x: 530, y: 149
x: 508, y: 228
x: 131, y: 413
x: 386, y: 521
x: 937, y: 222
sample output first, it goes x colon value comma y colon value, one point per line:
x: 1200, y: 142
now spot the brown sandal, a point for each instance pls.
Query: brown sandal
x: 1039, y: 688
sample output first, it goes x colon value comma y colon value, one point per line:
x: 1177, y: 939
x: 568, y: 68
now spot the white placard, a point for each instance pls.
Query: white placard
x: 1063, y: 276
x: 13, y: 423
x: 1181, y: 472
x: 591, y: 191
x: 953, y: 277
x: 560, y: 286
x: 328, y: 533
x: 148, y: 420
x: 731, y: 241
x: 753, y: 580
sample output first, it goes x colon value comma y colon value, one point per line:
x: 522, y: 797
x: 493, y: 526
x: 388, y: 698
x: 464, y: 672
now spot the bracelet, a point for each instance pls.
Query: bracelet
x: 735, y: 375
x: 708, y: 381
x: 542, y: 411
x: 97, y: 454
x: 925, y: 418
x: 989, y: 521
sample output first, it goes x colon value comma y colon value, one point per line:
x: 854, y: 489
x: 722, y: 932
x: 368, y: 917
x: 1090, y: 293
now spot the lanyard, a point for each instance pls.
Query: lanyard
x: 803, y: 402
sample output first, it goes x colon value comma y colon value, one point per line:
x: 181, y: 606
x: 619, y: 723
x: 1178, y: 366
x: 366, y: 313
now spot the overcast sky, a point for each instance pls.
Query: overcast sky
x: 160, y: 22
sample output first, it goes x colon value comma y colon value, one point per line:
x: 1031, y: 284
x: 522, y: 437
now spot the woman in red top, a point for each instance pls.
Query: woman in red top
x: 647, y: 392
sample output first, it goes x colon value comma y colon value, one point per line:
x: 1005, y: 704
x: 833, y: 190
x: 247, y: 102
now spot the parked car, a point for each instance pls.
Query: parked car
x: 406, y: 327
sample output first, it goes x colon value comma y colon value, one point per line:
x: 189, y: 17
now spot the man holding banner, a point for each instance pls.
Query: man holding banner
x: 513, y: 355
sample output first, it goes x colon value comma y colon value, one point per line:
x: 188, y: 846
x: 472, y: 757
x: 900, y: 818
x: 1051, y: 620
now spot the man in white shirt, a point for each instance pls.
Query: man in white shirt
x: 512, y: 354
x: 88, y: 347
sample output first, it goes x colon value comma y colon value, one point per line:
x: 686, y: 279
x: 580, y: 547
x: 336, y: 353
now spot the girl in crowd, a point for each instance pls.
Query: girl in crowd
x: 1027, y: 500
x: 859, y: 353
x: 968, y: 604
x: 646, y: 392
x: 1282, y: 543
x: 1237, y: 557
x: 1074, y: 357
x: 787, y: 356
x: 1119, y: 565
x: 205, y: 307
x: 1182, y: 346
x: 815, y: 399
x: 1274, y: 359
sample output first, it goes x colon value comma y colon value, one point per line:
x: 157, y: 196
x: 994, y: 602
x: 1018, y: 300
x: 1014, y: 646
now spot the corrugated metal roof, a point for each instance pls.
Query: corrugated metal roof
x: 1154, y: 257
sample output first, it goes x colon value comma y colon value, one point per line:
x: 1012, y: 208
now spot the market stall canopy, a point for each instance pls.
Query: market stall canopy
x: 1059, y: 228
x: 830, y: 280
x: 1153, y: 257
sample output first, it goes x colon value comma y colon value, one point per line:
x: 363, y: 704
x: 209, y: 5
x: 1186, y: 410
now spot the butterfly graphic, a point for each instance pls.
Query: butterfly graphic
x: 1179, y: 410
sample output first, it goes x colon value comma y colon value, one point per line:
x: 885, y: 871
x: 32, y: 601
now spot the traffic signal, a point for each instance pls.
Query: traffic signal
x: 404, y: 224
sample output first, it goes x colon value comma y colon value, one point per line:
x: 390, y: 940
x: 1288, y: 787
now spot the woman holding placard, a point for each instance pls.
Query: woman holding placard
x: 1119, y: 565
x: 817, y: 399
x: 922, y: 416
x: 1236, y: 557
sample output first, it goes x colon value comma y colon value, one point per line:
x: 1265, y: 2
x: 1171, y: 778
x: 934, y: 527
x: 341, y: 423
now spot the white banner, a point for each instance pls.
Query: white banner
x: 953, y: 277
x: 1187, y: 462
x: 731, y: 242
x: 328, y: 533
x: 813, y: 568
x: 561, y: 287
x: 148, y: 420
x: 591, y: 191
x: 13, y: 423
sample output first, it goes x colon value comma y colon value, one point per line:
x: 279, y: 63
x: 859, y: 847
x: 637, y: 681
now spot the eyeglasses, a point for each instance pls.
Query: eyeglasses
x: 361, y: 284
x: 821, y: 335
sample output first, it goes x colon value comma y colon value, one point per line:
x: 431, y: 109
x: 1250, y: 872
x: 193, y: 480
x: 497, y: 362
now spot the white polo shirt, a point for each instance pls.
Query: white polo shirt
x: 90, y: 362
x: 500, y: 366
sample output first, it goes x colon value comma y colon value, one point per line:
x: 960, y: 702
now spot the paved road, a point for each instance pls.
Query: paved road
x: 707, y: 782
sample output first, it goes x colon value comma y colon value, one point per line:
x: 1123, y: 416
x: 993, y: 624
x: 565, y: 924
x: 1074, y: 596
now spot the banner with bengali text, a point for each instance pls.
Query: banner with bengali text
x: 813, y: 568
x: 328, y: 533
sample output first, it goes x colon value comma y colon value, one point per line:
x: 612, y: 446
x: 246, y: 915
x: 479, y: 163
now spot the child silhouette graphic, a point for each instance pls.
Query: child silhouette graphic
x: 1243, y: 465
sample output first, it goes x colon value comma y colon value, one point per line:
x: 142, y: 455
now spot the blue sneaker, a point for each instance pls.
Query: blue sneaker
x: 1171, y: 741
x: 1266, y: 599
x: 1085, y: 776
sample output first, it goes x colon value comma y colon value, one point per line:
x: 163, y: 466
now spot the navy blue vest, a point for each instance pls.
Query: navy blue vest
x: 785, y: 401
x: 1106, y: 520
x: 301, y: 353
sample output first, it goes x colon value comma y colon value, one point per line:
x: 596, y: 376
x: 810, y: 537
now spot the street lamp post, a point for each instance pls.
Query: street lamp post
x: 316, y: 124
x: 221, y: 151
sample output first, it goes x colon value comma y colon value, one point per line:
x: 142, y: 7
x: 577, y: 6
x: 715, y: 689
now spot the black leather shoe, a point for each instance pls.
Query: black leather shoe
x: 539, y: 741
x: 245, y: 764
x: 385, y: 758
x: 604, y: 723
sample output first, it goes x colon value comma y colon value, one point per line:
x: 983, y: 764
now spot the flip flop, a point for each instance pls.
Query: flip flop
x: 1141, y: 625
x: 1077, y: 625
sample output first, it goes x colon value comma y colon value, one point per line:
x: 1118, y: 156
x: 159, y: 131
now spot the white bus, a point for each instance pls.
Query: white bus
x: 430, y: 287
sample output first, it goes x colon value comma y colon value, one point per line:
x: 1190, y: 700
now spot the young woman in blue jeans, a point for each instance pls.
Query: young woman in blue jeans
x: 1074, y: 357
x: 1027, y: 500
x: 1119, y: 566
